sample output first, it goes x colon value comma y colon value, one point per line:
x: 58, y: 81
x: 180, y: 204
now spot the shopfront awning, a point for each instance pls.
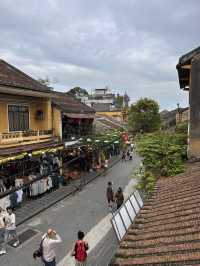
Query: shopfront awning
x: 79, y: 116
x: 14, y: 153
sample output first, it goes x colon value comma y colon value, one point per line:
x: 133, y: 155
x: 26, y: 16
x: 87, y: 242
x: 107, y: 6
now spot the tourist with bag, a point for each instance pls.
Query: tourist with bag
x: 80, y: 250
x: 46, y: 250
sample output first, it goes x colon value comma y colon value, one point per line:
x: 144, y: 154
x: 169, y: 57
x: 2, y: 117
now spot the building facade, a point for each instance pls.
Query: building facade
x: 103, y: 101
x: 25, y: 108
x: 188, y: 69
x: 33, y: 116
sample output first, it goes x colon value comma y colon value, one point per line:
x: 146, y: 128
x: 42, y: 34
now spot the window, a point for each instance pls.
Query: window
x: 18, y: 116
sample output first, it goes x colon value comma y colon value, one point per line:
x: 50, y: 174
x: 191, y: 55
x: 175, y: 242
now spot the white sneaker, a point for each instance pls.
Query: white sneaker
x: 16, y: 244
x: 2, y: 252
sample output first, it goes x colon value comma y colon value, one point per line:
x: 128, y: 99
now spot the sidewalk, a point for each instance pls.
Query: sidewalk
x: 33, y: 207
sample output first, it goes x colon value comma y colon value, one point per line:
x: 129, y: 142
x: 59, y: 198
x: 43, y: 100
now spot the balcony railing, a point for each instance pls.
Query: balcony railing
x: 25, y: 136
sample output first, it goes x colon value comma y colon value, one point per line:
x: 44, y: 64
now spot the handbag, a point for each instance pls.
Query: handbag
x: 38, y: 253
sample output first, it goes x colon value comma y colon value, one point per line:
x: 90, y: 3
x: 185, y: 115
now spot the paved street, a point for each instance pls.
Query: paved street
x: 86, y: 210
x: 33, y: 207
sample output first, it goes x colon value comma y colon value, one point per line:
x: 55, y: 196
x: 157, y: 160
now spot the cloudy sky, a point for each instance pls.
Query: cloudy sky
x: 128, y: 45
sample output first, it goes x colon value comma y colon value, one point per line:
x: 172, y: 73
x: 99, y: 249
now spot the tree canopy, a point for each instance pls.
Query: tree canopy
x: 144, y: 116
x: 78, y: 91
x: 121, y: 101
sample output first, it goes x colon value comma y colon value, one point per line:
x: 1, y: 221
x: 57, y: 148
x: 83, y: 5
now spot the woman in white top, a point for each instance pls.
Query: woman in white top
x: 10, y: 232
x: 49, y: 241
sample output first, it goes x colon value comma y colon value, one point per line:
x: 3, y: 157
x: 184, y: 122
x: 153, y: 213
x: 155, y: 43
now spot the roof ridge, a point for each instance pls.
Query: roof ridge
x: 23, y: 74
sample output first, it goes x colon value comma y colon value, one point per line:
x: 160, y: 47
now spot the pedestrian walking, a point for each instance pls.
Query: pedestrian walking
x: 105, y: 166
x: 110, y: 195
x: 124, y: 156
x: 82, y: 182
x: 128, y: 155
x: 2, y: 231
x: 80, y: 250
x: 119, y: 197
x: 10, y: 228
x: 49, y: 241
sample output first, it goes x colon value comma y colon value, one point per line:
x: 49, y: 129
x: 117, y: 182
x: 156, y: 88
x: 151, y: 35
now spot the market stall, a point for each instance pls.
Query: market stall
x: 32, y: 174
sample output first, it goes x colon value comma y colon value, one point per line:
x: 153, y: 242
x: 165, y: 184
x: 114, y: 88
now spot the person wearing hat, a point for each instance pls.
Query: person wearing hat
x: 49, y: 241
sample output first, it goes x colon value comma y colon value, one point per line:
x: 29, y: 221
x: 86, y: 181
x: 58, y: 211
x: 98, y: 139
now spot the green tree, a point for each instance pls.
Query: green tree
x: 78, y: 91
x: 44, y: 81
x: 119, y: 99
x: 162, y: 154
x: 144, y: 116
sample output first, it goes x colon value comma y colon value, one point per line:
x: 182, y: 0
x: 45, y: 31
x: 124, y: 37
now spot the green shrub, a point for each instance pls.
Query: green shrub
x: 162, y: 155
x: 182, y: 128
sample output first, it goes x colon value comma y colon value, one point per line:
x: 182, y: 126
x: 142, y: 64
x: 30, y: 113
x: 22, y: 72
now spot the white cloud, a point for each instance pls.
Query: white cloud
x: 128, y: 45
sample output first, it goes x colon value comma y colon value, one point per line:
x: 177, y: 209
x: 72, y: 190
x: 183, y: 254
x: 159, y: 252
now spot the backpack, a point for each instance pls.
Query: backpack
x: 80, y: 251
x: 38, y: 253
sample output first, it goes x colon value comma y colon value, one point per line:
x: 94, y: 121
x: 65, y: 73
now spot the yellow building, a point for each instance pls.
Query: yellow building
x: 25, y: 110
x: 119, y: 115
x: 34, y: 117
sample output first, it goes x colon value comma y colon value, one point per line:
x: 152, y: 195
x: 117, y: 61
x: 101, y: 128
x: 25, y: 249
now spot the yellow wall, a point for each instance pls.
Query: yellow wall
x: 116, y: 115
x: 3, y: 118
x: 45, y: 124
x: 34, y: 105
x: 57, y: 122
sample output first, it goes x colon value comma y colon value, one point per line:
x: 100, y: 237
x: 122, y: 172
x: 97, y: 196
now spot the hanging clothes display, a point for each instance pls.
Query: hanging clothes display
x: 41, y: 186
x: 34, y: 188
x: 19, y: 196
x: 5, y: 202
x: 49, y: 183
x: 19, y: 182
x: 13, y: 200
x: 36, y: 170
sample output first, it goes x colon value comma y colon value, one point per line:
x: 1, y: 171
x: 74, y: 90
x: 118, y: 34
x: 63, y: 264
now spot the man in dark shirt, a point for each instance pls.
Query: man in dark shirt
x: 110, y: 194
x: 119, y: 197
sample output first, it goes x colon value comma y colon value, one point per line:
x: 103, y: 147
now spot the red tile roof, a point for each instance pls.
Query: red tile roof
x: 69, y: 104
x: 167, y: 229
x: 109, y: 122
x: 13, y: 77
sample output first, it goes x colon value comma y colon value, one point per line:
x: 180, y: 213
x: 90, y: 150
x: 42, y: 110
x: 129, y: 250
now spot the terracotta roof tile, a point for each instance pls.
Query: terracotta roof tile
x: 167, y: 229
x: 69, y: 103
x: 13, y: 77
